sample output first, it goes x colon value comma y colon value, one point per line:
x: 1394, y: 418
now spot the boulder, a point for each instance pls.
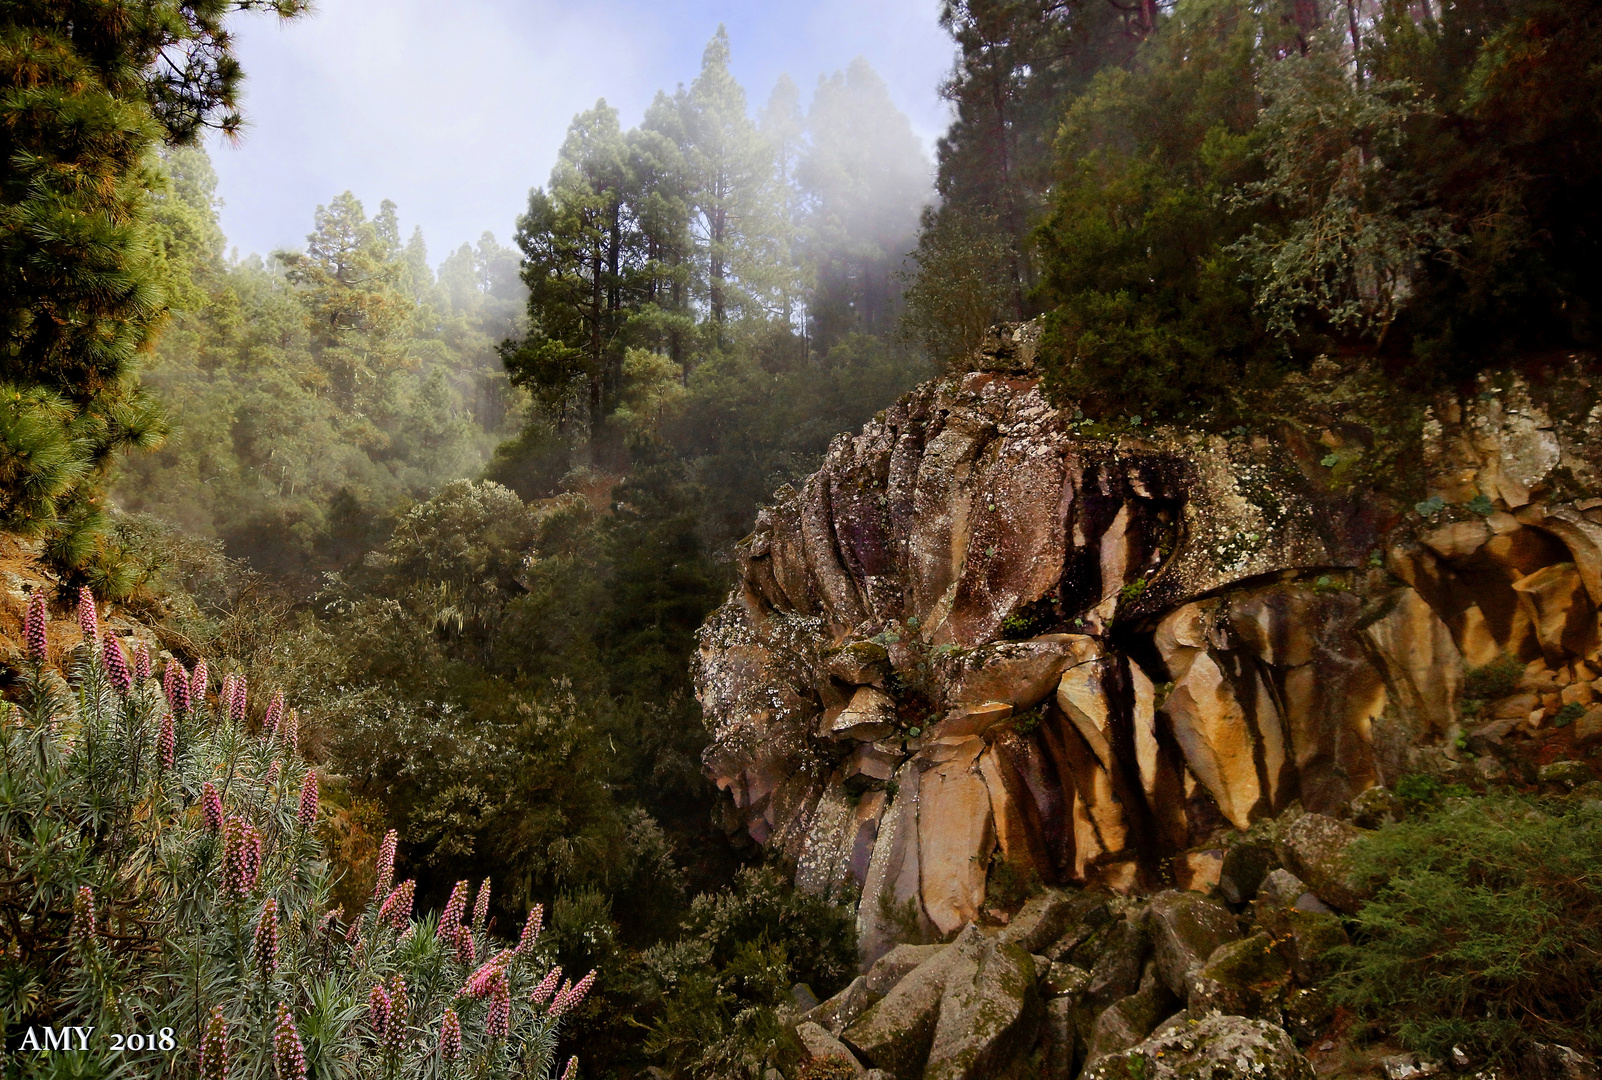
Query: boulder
x: 870, y: 765
x: 1122, y: 958
x: 836, y: 1014
x: 896, y: 964
x: 1377, y: 806
x: 870, y: 715
x: 1280, y: 889
x: 1130, y: 1019
x: 1564, y: 773
x: 1554, y: 1062
x: 1314, y: 848
x: 1555, y: 601
x: 1059, y: 1037
x: 1065, y: 980
x: 891, y: 909
x: 988, y: 1015
x: 1308, y: 1012
x: 1241, y: 978
x: 1185, y: 929
x: 1019, y: 673
x: 895, y: 1033
x: 1243, y: 870
x: 1208, y: 718
x: 1422, y: 666
x: 1042, y: 920
x: 822, y: 1046
x: 1311, y: 936
x: 1589, y: 726
x: 1217, y: 1048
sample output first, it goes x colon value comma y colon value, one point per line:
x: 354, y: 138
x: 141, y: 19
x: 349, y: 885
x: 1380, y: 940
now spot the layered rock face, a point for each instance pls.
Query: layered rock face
x: 988, y: 631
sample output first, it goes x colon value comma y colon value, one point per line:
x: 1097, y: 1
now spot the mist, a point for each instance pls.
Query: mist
x: 455, y: 111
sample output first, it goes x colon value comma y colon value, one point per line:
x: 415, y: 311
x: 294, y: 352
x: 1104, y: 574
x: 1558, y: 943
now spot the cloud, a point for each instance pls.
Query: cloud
x: 454, y: 110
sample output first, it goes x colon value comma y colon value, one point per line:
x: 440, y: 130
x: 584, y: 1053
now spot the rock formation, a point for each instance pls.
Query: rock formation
x: 990, y: 632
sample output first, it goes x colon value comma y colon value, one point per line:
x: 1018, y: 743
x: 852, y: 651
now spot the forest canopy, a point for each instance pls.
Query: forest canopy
x: 1210, y: 192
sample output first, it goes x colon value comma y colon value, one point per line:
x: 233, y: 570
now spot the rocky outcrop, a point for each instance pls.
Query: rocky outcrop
x: 1219, y: 1047
x: 992, y: 632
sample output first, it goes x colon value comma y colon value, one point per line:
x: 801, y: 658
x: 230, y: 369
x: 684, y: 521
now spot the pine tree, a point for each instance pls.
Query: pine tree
x: 575, y: 240
x: 784, y: 125
x: 86, y: 90
x: 730, y: 173
x: 351, y: 278
x: 866, y: 176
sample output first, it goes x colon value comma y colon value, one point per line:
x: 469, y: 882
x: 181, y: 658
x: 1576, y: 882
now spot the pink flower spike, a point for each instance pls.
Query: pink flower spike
x: 570, y: 996
x: 378, y: 1009
x: 451, y: 918
x: 386, y: 864
x: 236, y: 703
x: 266, y: 943
x: 481, y: 905
x: 547, y: 987
x: 275, y: 710
x: 289, y: 732
x: 141, y: 663
x: 214, y: 1047
x: 482, y: 981
x: 571, y: 1072
x: 289, y: 1057
x: 396, y: 910
x: 33, y: 628
x: 116, y: 665
x: 167, y: 742
x: 450, y: 1036
x: 88, y: 617
x: 211, y: 806
x: 83, y: 918
x: 272, y: 773
x: 399, y: 1016
x: 308, y: 799
x: 496, y: 1023
x: 531, y: 928
x: 197, y: 684
x: 175, y: 684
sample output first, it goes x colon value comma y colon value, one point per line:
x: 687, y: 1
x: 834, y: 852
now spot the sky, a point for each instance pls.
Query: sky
x: 455, y: 108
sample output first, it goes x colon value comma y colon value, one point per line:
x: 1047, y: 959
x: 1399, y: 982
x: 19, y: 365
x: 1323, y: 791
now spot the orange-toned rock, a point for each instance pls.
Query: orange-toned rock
x: 1560, y: 610
x: 1422, y: 667
x: 956, y: 834
x: 1210, y: 634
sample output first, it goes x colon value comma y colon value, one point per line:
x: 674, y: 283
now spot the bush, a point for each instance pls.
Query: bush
x: 721, y: 983
x: 163, y: 875
x: 1486, y: 931
x: 1495, y: 680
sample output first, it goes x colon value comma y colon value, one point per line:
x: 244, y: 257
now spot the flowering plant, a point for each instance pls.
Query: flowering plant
x: 160, y: 874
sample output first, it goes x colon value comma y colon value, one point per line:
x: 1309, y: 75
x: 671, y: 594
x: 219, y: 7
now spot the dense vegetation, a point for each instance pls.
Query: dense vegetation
x: 1486, y: 931
x: 472, y: 513
x: 166, y: 881
x: 1213, y: 191
x: 86, y: 91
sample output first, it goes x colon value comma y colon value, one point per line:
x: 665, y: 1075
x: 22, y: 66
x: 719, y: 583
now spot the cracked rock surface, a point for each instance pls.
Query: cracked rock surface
x: 987, y: 631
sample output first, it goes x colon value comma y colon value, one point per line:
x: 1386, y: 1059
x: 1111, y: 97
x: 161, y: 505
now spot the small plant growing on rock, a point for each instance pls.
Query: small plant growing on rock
x: 827, y: 1068
x: 1495, y: 680
x: 1568, y: 714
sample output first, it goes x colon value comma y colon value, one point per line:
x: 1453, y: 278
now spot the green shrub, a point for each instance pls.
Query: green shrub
x: 1495, y: 680
x: 721, y: 983
x: 1486, y: 931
